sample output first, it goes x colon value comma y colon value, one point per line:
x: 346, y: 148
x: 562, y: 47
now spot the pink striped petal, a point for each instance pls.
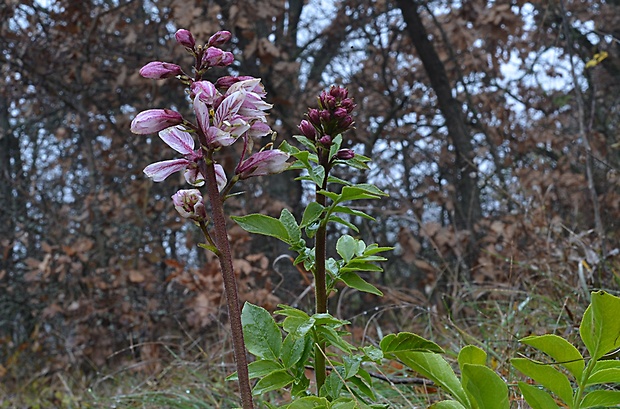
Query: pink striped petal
x: 161, y: 170
x: 178, y: 139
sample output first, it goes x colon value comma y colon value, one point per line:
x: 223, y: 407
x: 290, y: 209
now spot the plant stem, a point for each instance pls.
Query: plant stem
x: 230, y: 284
x: 320, y: 285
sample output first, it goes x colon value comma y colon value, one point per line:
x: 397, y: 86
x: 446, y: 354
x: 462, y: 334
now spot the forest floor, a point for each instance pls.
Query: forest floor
x: 191, y: 374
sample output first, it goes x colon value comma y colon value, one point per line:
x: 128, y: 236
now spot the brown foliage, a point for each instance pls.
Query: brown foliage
x: 93, y: 260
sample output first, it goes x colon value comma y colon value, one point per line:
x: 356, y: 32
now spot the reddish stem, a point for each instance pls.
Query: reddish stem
x: 230, y: 283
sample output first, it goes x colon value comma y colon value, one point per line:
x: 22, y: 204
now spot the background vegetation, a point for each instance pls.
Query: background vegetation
x: 494, y: 127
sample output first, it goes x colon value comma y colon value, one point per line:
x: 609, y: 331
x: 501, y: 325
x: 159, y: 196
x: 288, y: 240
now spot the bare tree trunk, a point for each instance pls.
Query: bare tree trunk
x: 465, y: 175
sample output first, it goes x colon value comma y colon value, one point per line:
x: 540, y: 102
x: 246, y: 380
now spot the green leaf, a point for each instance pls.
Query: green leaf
x: 336, y: 143
x: 373, y: 353
x: 335, y: 339
x: 435, y: 368
x: 262, y: 336
x: 605, y: 399
x: 408, y: 341
x: 298, y: 326
x: 447, y: 404
x: 346, y: 246
x: 611, y: 375
x: 363, y: 386
x: 288, y: 148
x: 485, y: 387
x: 355, y: 281
x: 374, y: 249
x: 562, y: 351
x: 357, y: 162
x: 340, y: 220
x: 358, y: 192
x: 360, y: 265
x: 292, y: 350
x: 471, y: 354
x: 209, y: 247
x: 332, y: 386
x: 308, y: 402
x: 353, y: 212
x: 351, y: 365
x: 275, y: 380
x: 292, y: 228
x: 536, y: 397
x: 262, y: 367
x: 334, y: 179
x: 311, y: 214
x: 262, y: 224
x: 305, y: 142
x: 317, y: 174
x: 547, y: 376
x: 600, y: 326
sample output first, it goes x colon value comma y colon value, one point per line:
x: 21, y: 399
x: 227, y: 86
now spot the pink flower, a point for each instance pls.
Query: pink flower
x: 219, y: 38
x: 182, y: 142
x: 225, y: 125
x: 155, y: 120
x: 263, y: 163
x: 190, y: 204
x: 159, y: 70
x: 206, y: 91
x: 185, y: 38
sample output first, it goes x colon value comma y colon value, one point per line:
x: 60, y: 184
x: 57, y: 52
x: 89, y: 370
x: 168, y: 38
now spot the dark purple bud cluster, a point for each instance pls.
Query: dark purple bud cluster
x: 210, y: 55
x: 333, y: 116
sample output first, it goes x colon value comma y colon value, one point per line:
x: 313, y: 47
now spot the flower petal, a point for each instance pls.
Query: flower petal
x: 161, y: 170
x: 178, y: 139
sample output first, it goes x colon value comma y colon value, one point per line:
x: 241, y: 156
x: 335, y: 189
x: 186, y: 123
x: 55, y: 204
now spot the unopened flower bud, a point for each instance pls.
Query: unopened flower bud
x: 345, y: 123
x: 219, y: 38
x: 345, y: 154
x: 325, y: 116
x: 307, y: 130
x: 155, y: 120
x: 326, y: 140
x: 339, y: 92
x: 314, y: 116
x: 189, y: 204
x: 185, y: 38
x: 156, y: 70
x: 214, y: 57
x: 340, y: 113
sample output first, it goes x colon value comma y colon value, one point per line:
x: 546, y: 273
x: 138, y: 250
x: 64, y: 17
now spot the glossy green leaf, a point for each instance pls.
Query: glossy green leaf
x: 604, y: 399
x: 346, y: 246
x: 562, y: 351
x: 317, y: 174
x: 262, y: 368
x: 340, y: 220
x: 447, y: 404
x: 292, y: 350
x: 536, y: 397
x: 353, y: 280
x: 471, y: 354
x: 408, y: 341
x: 308, y: 402
x: 353, y: 212
x: 275, y: 380
x: 547, y: 376
x: 363, y: 386
x: 292, y: 228
x: 262, y: 336
x: 309, y: 144
x: 485, y: 387
x: 434, y: 367
x: 332, y: 386
x: 350, y: 364
x: 611, y: 375
x: 600, y: 326
x: 312, y: 213
x: 262, y: 224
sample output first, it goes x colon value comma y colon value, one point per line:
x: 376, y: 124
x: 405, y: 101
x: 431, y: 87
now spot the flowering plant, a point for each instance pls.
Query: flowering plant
x: 231, y: 110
